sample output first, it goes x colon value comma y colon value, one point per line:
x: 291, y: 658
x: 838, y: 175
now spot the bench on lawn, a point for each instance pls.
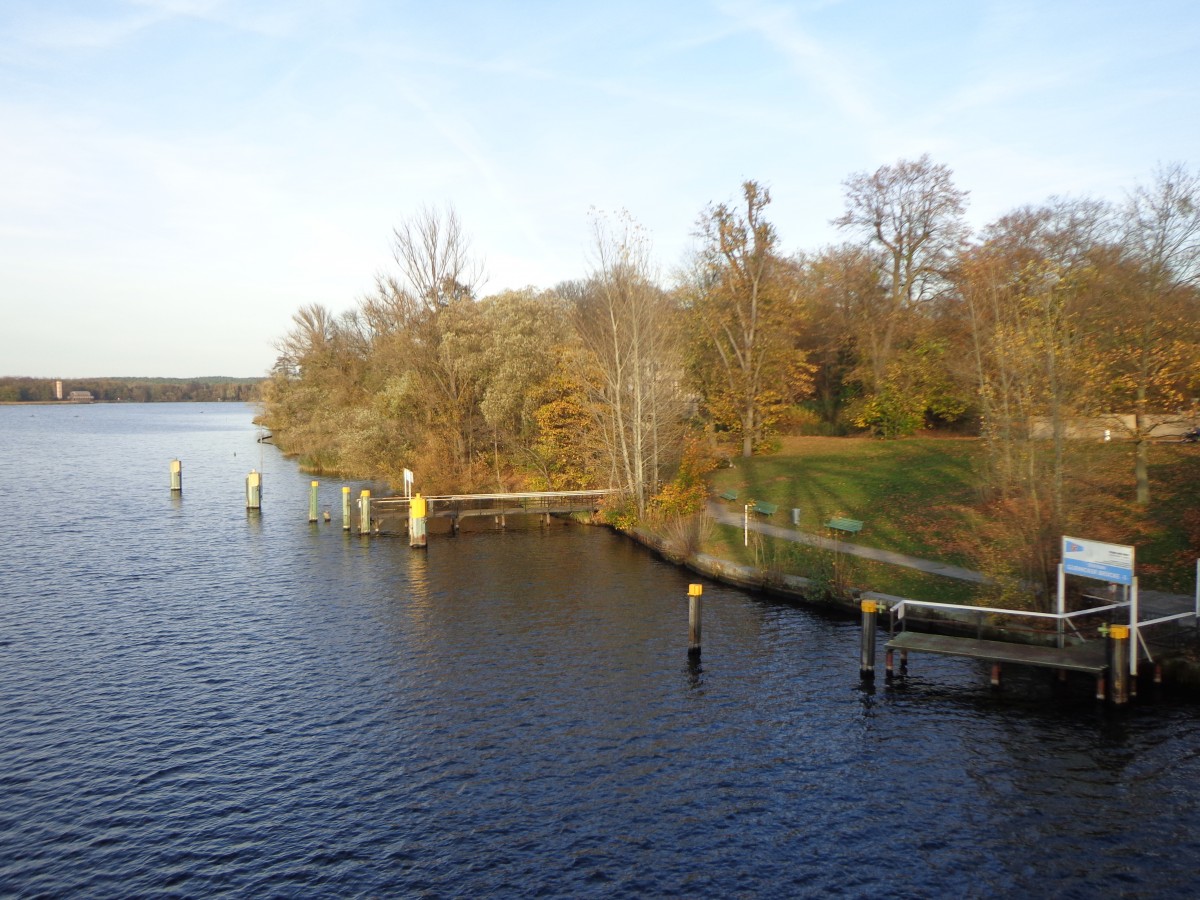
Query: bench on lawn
x: 729, y: 495
x: 767, y: 509
x: 840, y: 523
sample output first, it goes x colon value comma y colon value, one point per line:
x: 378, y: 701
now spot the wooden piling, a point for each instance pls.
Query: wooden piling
x: 418, y: 511
x: 364, y: 512
x: 312, y: 501
x: 695, y: 591
x: 254, y: 490
x: 889, y: 659
x: 870, y: 612
x: 1119, y: 636
x: 995, y: 674
x: 345, y: 509
x: 176, y: 477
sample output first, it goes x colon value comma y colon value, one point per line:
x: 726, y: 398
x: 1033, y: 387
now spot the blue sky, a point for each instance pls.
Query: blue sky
x: 177, y: 177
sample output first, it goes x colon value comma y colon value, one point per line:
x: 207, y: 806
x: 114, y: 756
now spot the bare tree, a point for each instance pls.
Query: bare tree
x: 911, y: 215
x: 434, y: 256
x: 626, y: 323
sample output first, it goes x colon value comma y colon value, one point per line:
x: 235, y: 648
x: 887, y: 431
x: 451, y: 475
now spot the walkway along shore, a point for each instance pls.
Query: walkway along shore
x: 1181, y: 667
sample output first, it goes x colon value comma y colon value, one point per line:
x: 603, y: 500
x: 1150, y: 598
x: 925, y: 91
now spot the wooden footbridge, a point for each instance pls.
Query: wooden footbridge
x: 390, y: 515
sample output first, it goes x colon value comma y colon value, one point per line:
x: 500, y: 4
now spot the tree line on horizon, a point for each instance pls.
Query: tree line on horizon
x: 133, y: 390
x: 1071, y: 308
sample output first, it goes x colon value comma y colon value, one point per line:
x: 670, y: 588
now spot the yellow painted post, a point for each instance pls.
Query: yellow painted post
x: 345, y: 509
x: 254, y: 490
x: 870, y: 612
x: 176, y: 476
x: 1119, y: 635
x: 312, y: 501
x: 418, y: 510
x: 695, y: 591
x: 364, y: 512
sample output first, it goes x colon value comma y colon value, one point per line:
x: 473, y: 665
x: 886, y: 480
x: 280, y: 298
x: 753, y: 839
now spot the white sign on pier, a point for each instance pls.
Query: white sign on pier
x: 1095, y: 559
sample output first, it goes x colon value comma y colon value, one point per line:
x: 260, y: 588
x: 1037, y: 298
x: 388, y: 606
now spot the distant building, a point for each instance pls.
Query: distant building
x: 80, y: 397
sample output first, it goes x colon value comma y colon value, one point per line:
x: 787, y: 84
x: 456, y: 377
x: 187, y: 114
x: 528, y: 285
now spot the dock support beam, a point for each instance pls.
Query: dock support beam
x: 254, y: 490
x: 694, y: 610
x: 870, y: 612
x: 176, y: 477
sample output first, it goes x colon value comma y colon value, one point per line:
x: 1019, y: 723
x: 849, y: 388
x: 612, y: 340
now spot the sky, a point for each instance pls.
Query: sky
x: 178, y: 177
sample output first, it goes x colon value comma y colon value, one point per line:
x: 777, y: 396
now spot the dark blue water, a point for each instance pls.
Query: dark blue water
x: 197, y: 702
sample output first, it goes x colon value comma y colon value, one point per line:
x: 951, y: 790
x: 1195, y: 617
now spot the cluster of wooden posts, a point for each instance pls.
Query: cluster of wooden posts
x: 417, y: 509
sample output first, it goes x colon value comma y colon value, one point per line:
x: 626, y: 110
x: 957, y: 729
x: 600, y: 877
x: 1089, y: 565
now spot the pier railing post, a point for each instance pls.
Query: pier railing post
x: 312, y: 501
x: 345, y: 509
x: 254, y: 490
x: 695, y: 591
x: 870, y: 613
x: 176, y: 476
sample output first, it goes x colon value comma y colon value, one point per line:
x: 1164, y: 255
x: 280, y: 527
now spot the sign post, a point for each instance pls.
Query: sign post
x: 1112, y: 563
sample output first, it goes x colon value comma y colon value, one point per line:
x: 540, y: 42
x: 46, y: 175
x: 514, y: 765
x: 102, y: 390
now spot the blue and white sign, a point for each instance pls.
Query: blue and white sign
x: 1094, y: 559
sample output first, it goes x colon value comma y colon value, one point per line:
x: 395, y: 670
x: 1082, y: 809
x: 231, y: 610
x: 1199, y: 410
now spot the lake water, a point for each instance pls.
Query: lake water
x: 199, y: 702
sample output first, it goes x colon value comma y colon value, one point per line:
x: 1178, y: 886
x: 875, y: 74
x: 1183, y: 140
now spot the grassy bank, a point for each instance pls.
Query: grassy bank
x: 922, y: 497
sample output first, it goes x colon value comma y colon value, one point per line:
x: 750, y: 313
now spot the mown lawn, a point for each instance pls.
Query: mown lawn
x: 923, y: 497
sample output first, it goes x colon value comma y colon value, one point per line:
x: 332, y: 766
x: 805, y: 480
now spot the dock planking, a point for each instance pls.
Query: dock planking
x: 1090, y: 658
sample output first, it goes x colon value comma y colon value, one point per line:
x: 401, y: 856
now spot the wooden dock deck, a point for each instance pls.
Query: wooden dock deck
x: 1090, y: 658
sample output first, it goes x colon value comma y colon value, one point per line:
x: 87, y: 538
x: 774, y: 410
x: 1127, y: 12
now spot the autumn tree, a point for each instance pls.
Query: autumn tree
x: 1147, y: 322
x: 746, y: 314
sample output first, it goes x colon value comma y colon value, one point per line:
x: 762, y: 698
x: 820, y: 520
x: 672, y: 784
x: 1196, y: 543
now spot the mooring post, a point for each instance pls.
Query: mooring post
x: 1119, y: 635
x: 254, y: 490
x: 312, y: 501
x: 418, y: 510
x: 870, y: 611
x: 695, y: 591
x: 345, y: 509
x: 888, y: 660
x: 995, y: 674
x: 364, y: 512
x: 176, y: 476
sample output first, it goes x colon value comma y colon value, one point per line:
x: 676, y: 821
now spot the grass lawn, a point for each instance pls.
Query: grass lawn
x: 921, y: 496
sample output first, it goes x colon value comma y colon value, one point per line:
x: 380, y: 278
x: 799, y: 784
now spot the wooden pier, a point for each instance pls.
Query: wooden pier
x: 390, y: 514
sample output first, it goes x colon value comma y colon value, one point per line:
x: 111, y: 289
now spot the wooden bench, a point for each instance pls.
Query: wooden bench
x: 840, y: 523
x: 729, y: 495
x: 767, y: 509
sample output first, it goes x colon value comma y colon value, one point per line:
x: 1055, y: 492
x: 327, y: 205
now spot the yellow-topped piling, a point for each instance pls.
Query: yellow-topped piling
x: 695, y: 591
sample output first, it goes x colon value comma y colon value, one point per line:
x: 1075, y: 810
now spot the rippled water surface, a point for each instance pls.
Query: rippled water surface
x: 199, y: 702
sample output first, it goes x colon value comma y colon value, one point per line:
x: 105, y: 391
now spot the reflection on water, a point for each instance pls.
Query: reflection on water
x: 200, y: 701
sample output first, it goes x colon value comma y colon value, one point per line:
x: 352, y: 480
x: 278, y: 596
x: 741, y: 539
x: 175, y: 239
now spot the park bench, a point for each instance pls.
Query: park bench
x: 729, y: 495
x: 840, y: 523
x: 766, y: 509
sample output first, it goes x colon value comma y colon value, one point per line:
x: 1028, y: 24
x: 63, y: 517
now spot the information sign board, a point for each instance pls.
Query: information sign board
x: 1095, y: 559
